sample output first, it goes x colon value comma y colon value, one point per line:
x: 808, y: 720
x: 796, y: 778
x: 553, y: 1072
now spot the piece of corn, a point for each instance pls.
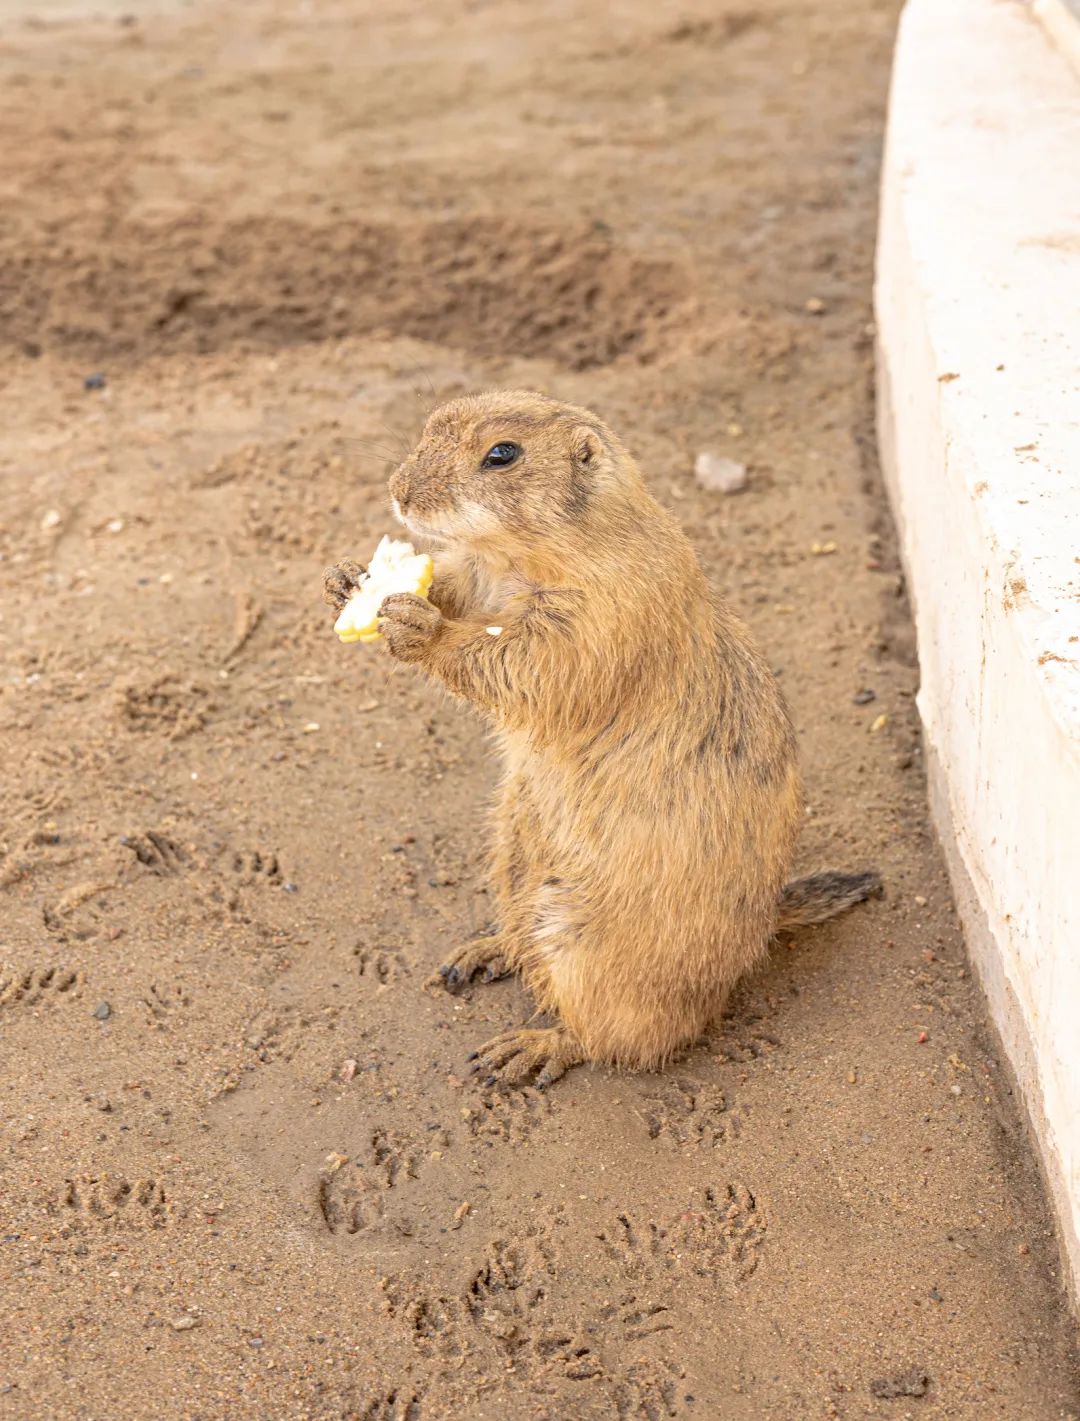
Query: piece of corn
x: 395, y: 567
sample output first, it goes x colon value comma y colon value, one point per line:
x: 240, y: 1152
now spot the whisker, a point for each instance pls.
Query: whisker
x: 371, y: 444
x: 401, y: 439
x: 419, y: 369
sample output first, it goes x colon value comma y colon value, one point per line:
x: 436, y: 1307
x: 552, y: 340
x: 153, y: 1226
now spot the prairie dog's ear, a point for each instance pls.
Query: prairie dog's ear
x: 586, y: 446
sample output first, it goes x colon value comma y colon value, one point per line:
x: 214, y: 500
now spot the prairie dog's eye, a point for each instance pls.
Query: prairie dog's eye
x: 500, y: 456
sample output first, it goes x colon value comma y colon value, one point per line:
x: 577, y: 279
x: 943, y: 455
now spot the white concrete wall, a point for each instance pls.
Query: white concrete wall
x: 978, y: 317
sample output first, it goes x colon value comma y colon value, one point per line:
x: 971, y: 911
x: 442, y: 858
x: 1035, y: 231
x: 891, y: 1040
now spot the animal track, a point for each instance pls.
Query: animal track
x: 351, y: 1192
x: 502, y: 1304
x: 244, y: 873
x: 177, y: 708
x: 28, y: 988
x: 253, y: 867
x: 726, y: 1231
x: 400, y: 1404
x: 721, y: 1236
x: 690, y: 1113
x: 380, y: 965
x: 509, y: 1116
x: 644, y: 1393
x: 111, y: 1199
x: 157, y: 852
x: 348, y: 1202
x: 745, y: 1041
x: 274, y: 1032
x: 569, y: 1354
x: 511, y: 1267
x: 164, y: 1002
x: 392, y: 1158
x: 636, y: 1319
x: 437, y: 1324
x: 508, y: 1289
x: 638, y: 1250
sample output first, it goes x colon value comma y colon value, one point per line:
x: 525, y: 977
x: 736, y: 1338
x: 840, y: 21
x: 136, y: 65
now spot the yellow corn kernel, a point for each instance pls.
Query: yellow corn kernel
x: 395, y: 567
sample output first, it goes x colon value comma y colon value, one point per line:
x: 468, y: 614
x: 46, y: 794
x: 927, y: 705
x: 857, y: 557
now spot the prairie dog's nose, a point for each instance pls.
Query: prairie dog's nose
x: 399, y: 489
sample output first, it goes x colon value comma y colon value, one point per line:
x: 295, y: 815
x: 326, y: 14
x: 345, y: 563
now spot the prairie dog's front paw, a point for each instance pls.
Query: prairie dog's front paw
x: 340, y: 582
x: 409, y: 625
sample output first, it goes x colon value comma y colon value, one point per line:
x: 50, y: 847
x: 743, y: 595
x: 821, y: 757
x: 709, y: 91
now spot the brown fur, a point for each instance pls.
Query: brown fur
x: 651, y: 798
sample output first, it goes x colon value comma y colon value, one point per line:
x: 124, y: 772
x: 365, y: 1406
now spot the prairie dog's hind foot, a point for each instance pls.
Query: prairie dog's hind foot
x: 512, y: 1057
x: 483, y: 956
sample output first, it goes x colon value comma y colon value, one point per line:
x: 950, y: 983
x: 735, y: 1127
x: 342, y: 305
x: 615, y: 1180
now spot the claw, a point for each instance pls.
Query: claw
x: 512, y: 1057
x: 480, y: 960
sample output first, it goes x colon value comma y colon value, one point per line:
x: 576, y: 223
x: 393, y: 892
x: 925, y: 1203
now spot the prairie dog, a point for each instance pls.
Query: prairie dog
x: 651, y: 798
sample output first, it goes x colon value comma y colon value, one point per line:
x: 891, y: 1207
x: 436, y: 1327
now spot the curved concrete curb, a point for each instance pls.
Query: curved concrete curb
x: 1062, y: 21
x: 978, y: 317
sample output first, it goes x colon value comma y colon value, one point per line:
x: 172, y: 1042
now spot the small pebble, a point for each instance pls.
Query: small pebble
x: 924, y: 1037
x: 493, y: 631
x: 184, y: 1324
x: 920, y: 901
x: 94, y: 382
x: 51, y: 520
x: 716, y: 474
x: 822, y: 550
x: 880, y: 724
x: 311, y: 727
x: 863, y: 698
x: 289, y: 886
x: 103, y: 1011
x: 815, y: 306
x: 347, y: 1070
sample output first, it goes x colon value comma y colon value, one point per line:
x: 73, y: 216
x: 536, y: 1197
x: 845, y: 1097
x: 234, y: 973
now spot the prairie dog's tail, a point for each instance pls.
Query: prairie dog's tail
x: 821, y: 896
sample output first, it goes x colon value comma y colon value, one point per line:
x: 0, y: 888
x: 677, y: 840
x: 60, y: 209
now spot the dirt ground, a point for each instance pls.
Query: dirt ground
x: 244, y: 1173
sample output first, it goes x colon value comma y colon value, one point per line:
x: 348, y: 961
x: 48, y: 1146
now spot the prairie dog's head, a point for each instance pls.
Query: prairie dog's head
x: 508, y: 473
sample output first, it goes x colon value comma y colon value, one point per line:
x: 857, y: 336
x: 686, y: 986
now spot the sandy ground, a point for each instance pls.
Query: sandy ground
x: 233, y: 850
